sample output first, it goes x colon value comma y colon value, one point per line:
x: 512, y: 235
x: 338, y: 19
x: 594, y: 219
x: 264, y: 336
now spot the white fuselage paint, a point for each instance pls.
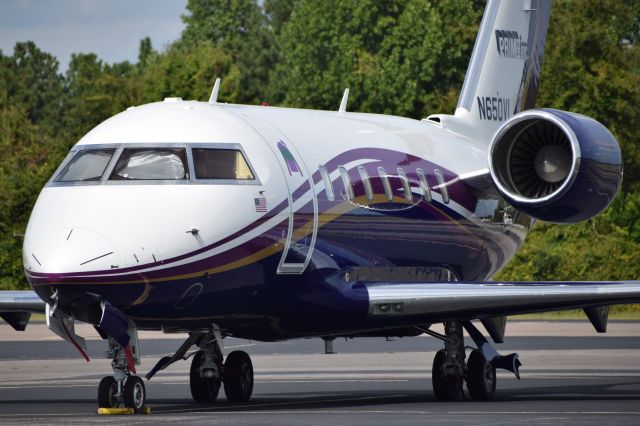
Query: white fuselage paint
x: 140, y: 223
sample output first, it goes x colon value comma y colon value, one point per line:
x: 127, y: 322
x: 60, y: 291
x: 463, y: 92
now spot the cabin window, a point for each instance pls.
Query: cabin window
x: 442, y: 186
x: 221, y: 164
x: 151, y: 164
x: 87, y: 165
x: 384, y: 177
x: 364, y: 176
x: 346, y: 181
x: 406, y: 188
x: 426, y: 192
x: 328, y: 186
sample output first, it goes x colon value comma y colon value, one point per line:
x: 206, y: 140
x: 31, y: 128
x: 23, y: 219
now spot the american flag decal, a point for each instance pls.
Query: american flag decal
x: 261, y: 204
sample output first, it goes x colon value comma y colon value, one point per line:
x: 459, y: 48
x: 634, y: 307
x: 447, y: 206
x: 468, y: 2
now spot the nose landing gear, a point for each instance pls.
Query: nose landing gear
x: 123, y: 389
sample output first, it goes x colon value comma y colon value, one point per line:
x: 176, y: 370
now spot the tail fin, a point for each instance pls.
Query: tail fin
x: 503, y: 75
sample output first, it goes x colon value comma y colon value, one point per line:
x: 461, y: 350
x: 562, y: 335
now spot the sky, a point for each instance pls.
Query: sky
x: 112, y: 29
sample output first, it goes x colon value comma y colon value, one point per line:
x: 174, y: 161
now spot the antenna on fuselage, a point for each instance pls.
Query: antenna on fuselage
x: 213, y: 99
x: 343, y: 103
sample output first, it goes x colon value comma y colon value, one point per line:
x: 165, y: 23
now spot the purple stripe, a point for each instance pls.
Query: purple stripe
x: 242, y: 251
x: 274, y: 212
x: 386, y: 158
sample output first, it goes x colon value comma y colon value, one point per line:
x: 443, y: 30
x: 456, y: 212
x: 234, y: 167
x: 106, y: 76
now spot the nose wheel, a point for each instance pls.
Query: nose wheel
x: 135, y: 395
x: 108, y: 392
x: 132, y: 394
x: 124, y: 389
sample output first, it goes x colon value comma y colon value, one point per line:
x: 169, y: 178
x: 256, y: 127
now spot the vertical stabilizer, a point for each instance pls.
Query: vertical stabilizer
x: 503, y: 75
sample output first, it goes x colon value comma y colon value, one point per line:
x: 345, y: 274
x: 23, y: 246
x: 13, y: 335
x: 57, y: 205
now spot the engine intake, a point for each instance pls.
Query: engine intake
x: 556, y: 166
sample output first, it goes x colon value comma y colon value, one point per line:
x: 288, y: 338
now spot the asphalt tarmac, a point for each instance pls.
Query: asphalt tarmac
x: 570, y: 375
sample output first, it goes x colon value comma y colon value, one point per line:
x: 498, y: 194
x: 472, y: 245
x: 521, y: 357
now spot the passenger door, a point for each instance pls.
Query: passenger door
x: 302, y: 198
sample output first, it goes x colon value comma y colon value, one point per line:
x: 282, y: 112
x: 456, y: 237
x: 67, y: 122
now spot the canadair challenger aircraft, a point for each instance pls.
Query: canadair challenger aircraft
x: 264, y: 223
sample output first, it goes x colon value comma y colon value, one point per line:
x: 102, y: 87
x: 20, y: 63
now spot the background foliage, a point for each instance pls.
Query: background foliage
x: 404, y: 57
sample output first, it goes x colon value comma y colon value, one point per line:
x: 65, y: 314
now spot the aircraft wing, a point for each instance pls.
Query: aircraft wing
x: 16, y: 307
x: 478, y: 300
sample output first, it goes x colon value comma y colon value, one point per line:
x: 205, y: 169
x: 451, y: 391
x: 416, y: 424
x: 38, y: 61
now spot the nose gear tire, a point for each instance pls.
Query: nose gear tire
x: 135, y: 394
x: 107, y: 390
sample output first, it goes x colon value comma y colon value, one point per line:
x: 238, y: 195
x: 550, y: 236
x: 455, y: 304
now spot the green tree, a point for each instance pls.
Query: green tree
x: 592, y: 66
x: 96, y: 91
x: 399, y: 57
x: 279, y: 12
x: 189, y: 72
x: 145, y: 52
x: 31, y: 80
x: 28, y: 160
x: 241, y: 29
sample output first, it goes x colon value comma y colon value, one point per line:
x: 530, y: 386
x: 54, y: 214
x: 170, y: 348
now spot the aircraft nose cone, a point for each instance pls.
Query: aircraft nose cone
x: 70, y: 250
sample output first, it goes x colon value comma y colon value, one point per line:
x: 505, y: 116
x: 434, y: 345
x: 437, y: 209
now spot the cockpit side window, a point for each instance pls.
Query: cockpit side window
x: 86, y: 165
x: 221, y: 164
x: 151, y: 164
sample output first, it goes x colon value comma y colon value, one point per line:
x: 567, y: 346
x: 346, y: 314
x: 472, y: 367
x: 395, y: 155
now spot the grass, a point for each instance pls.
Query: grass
x: 616, y: 313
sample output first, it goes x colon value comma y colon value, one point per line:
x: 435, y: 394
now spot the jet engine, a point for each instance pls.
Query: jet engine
x: 556, y: 166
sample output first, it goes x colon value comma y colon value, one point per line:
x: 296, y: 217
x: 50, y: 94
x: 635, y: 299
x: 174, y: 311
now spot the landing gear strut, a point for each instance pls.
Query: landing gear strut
x: 123, y: 389
x: 208, y: 372
x: 450, y: 371
x: 205, y: 376
x: 448, y: 365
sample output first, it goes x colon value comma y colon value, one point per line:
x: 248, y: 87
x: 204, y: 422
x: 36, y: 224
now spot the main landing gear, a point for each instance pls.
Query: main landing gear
x: 208, y: 372
x: 479, y: 372
x: 123, y: 389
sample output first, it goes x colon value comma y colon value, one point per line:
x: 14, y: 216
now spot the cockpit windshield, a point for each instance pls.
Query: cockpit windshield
x: 151, y: 164
x: 86, y: 165
x: 221, y: 164
x: 204, y: 164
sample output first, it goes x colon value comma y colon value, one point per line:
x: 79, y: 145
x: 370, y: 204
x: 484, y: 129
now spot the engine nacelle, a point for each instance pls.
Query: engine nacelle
x: 556, y: 166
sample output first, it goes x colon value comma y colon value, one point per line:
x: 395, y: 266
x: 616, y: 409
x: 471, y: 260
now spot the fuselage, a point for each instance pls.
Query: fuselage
x: 263, y: 220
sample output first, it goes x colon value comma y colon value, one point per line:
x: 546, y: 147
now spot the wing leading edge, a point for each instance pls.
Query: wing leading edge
x: 478, y: 300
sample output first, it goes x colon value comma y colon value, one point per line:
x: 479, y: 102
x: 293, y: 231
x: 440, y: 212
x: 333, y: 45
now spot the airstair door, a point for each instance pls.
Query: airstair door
x: 301, y: 197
